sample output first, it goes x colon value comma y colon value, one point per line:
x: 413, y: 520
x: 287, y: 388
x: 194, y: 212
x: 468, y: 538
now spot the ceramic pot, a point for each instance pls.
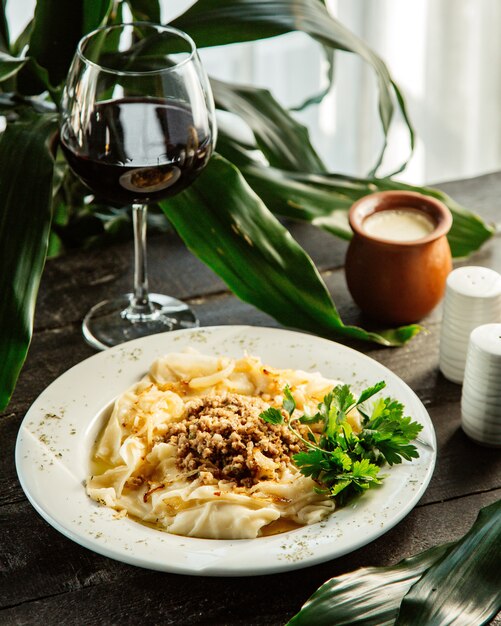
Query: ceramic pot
x: 398, y: 282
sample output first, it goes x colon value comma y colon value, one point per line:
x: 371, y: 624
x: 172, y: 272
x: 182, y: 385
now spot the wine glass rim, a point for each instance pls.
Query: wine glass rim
x: 170, y: 29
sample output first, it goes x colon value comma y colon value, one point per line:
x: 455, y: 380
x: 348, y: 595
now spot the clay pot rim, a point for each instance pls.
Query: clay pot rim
x: 384, y: 200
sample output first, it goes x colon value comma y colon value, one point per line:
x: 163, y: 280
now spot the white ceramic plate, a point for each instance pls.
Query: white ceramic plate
x: 58, y: 432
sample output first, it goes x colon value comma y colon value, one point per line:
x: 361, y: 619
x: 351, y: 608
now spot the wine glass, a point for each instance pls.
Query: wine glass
x: 137, y: 125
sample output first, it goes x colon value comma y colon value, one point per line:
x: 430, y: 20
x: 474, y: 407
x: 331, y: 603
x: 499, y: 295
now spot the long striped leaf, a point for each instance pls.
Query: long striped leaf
x: 95, y: 13
x: 57, y: 27
x: 25, y: 216
x: 230, y: 229
x: 464, y: 588
x: 218, y: 22
x: 301, y: 198
x: 453, y: 584
x: 283, y: 141
x: 9, y: 65
x: 4, y: 29
x: 324, y: 201
x: 369, y: 596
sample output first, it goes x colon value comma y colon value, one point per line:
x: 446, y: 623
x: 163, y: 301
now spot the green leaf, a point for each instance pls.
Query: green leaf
x: 303, y: 198
x: 361, y: 477
x: 324, y: 200
x: 341, y: 459
x: 220, y: 22
x: 34, y: 79
x: 311, y: 462
x: 289, y: 404
x: 232, y: 148
x: 338, y: 487
x: 381, y: 408
x: 217, y: 22
x: 365, y: 471
x: 468, y: 230
x: 343, y: 398
x: 311, y: 419
x: 57, y: 27
x: 324, y: 407
x: 95, y: 14
x: 371, y: 391
x: 272, y: 416
x: 357, y: 598
x: 228, y: 227
x: 333, y: 418
x: 145, y: 10
x: 389, y: 433
x: 4, y: 29
x: 412, y: 134
x: 395, y: 449
x: 9, y: 65
x: 340, y: 476
x: 26, y: 192
x: 23, y: 39
x: 284, y: 142
x: 465, y: 586
x: 403, y: 426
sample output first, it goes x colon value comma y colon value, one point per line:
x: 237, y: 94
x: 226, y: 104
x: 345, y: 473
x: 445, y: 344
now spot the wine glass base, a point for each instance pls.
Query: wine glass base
x: 107, y: 324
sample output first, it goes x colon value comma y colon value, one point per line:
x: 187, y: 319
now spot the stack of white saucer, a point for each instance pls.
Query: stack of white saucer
x: 481, y: 396
x: 472, y: 298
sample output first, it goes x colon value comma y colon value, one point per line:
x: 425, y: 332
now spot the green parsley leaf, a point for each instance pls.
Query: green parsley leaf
x: 311, y: 419
x: 343, y: 398
x: 370, y: 391
x: 342, y: 462
x: 310, y: 463
x: 339, y: 458
x: 325, y: 466
x: 394, y: 448
x: 272, y: 416
x: 364, y: 472
x: 385, y: 409
x: 325, y: 406
x: 363, y: 476
x: 339, y: 486
x: 389, y: 433
x: 289, y: 404
x: 328, y: 413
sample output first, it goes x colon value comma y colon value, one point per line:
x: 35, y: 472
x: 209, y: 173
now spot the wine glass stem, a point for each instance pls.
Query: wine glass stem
x: 140, y: 305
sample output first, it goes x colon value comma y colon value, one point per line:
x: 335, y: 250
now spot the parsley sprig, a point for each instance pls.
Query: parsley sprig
x: 341, y: 462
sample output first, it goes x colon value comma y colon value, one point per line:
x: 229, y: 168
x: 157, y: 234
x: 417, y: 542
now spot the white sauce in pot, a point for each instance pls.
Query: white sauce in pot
x: 403, y: 224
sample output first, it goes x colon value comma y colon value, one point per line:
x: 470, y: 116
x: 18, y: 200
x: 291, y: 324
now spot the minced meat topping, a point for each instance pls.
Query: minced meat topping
x: 223, y: 438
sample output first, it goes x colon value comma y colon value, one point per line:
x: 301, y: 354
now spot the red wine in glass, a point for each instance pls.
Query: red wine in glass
x: 137, y: 126
x: 138, y: 150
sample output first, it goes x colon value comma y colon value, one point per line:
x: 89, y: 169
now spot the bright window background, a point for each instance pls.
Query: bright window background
x: 444, y: 54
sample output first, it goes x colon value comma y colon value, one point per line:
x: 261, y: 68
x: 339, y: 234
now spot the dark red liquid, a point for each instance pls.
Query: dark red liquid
x: 137, y: 150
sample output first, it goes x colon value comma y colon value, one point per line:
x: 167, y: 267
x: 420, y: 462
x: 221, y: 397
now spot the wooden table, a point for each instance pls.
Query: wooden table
x: 48, y: 579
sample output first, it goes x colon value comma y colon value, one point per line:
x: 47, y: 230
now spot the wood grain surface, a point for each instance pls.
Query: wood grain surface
x: 47, y: 579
